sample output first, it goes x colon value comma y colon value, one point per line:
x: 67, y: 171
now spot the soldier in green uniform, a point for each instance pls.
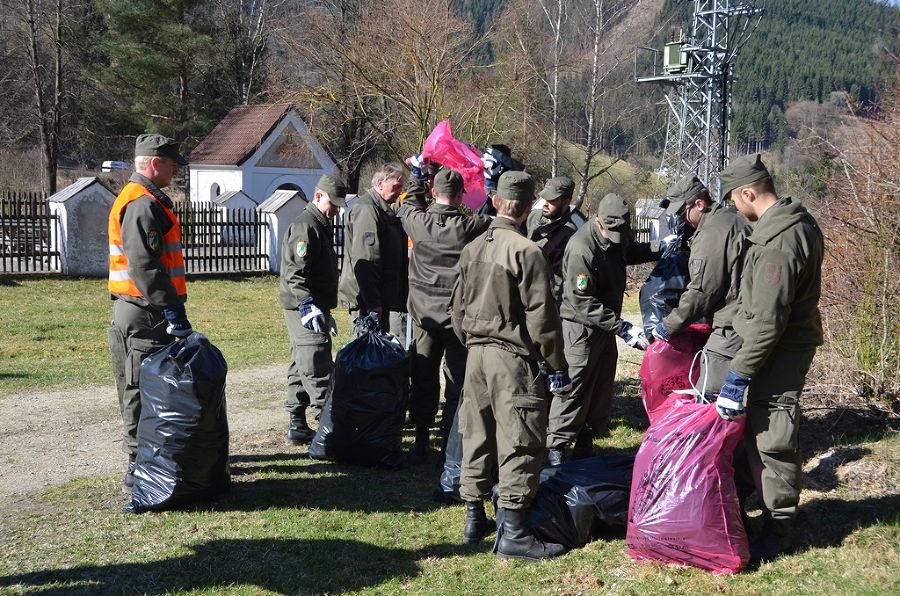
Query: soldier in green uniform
x: 716, y: 249
x: 552, y: 226
x: 146, y: 276
x: 779, y: 321
x: 503, y: 311
x: 593, y: 291
x: 438, y: 233
x: 308, y: 292
x: 374, y: 271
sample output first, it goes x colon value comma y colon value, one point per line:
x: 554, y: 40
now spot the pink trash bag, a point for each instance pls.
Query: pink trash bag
x: 684, y: 507
x: 441, y: 147
x: 666, y: 366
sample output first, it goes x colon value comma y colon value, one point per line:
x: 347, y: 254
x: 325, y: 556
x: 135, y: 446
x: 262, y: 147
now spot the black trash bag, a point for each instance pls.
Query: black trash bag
x: 448, y: 486
x: 182, y: 452
x: 669, y: 278
x: 365, y: 406
x: 579, y: 501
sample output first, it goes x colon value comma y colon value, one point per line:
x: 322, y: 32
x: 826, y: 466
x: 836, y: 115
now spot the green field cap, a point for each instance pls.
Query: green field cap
x: 742, y: 171
x: 615, y: 215
x: 154, y: 145
x: 334, y: 188
x: 516, y: 186
x: 447, y: 182
x: 683, y: 191
x: 560, y: 187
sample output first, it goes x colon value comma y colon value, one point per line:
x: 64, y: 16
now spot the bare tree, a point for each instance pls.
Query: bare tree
x: 247, y: 24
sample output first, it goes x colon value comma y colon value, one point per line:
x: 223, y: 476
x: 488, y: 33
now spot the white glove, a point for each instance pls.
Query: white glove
x: 633, y: 336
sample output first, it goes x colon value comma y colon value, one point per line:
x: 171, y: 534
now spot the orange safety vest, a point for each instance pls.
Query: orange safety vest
x: 172, y: 258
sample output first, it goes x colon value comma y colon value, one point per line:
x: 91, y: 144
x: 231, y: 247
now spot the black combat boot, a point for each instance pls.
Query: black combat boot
x: 556, y: 456
x: 420, y: 445
x: 584, y: 445
x: 299, y: 431
x: 478, y: 525
x: 774, y: 539
x: 128, y: 478
x: 517, y: 541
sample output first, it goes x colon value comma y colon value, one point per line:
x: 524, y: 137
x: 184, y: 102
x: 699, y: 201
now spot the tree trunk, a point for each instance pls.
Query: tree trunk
x: 592, y: 108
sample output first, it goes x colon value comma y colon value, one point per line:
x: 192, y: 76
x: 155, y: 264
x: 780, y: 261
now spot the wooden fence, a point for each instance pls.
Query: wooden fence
x: 220, y: 240
x: 28, y: 232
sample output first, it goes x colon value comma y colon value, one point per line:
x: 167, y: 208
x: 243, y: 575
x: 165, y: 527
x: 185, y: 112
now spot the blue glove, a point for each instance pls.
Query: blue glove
x: 660, y: 332
x: 633, y: 336
x: 559, y: 383
x: 178, y: 325
x: 312, y: 317
x: 419, y: 168
x: 730, y: 403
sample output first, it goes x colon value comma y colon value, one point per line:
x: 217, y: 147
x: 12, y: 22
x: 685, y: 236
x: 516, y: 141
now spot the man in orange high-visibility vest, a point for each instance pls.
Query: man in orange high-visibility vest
x: 146, y: 275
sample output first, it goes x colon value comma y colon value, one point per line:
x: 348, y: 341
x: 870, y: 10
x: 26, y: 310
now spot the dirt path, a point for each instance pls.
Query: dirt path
x: 48, y: 439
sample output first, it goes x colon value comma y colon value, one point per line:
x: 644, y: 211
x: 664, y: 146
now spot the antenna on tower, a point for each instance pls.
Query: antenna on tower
x: 698, y: 75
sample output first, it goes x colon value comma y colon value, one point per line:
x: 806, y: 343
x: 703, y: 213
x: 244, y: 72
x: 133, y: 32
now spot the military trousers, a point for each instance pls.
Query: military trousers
x: 428, y: 348
x: 135, y: 333
x: 503, y: 421
x: 311, y: 367
x: 592, y: 355
x: 771, y: 443
x: 719, y: 350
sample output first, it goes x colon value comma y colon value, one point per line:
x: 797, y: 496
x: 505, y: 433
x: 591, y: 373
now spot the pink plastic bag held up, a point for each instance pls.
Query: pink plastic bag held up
x: 666, y: 366
x: 441, y: 147
x: 684, y: 507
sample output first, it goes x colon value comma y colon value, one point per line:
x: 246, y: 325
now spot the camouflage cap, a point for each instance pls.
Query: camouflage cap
x: 744, y: 170
x: 681, y: 192
x: 155, y: 145
x: 560, y: 187
x: 447, y: 182
x: 335, y: 188
x: 516, y: 186
x: 614, y: 213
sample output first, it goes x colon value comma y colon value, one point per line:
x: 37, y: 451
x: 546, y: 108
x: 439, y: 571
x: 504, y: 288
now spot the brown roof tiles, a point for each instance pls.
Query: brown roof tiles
x: 239, y: 134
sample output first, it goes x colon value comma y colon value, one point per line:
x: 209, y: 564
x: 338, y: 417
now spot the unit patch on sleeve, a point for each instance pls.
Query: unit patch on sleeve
x: 301, y: 249
x: 581, y: 282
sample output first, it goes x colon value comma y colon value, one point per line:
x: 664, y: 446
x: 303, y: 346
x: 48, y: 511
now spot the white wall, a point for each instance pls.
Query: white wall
x: 227, y: 177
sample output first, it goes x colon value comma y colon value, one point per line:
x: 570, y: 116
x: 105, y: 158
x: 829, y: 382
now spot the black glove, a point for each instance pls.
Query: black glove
x: 178, y: 325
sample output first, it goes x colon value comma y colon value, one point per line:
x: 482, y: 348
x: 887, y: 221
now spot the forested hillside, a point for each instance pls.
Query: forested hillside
x: 804, y: 50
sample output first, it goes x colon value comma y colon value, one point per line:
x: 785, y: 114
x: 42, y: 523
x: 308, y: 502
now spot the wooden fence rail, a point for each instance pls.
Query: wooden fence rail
x: 28, y: 233
x: 220, y: 240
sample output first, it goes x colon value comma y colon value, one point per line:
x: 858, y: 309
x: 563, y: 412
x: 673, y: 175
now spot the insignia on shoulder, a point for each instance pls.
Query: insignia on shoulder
x: 581, y: 282
x: 301, y: 248
x: 154, y: 240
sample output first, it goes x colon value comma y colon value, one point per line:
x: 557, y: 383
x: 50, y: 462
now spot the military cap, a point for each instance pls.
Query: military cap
x: 744, y: 170
x: 516, y: 186
x: 560, y: 187
x: 614, y: 213
x: 154, y: 145
x: 681, y: 192
x: 447, y: 182
x: 334, y: 188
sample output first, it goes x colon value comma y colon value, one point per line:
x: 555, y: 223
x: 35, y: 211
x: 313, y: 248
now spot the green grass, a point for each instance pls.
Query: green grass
x: 54, y: 330
x: 293, y: 525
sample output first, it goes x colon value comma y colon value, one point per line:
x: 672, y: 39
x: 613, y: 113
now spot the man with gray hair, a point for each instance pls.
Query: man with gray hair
x: 374, y: 273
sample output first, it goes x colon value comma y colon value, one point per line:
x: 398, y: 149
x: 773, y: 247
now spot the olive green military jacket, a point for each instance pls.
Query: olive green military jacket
x: 375, y: 258
x: 503, y: 297
x: 781, y: 282
x: 594, y: 277
x: 551, y: 236
x: 142, y: 220
x: 308, y: 262
x: 438, y: 234
x: 715, y: 264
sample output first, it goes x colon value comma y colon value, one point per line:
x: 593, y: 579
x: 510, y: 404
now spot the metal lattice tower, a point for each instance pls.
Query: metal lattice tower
x: 698, y: 73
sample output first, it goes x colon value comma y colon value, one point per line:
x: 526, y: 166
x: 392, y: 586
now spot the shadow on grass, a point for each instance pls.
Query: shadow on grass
x: 825, y: 523
x: 291, y: 480
x: 278, y: 565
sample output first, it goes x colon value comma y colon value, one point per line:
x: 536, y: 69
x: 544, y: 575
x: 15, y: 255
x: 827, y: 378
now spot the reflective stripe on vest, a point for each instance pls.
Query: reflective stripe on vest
x: 172, y: 258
